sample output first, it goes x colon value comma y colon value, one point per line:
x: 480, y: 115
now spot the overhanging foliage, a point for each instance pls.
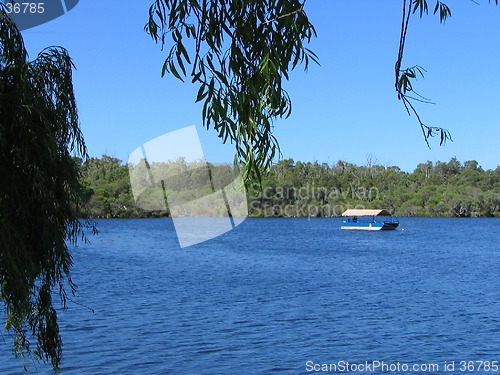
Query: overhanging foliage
x: 39, y: 190
x: 241, y: 53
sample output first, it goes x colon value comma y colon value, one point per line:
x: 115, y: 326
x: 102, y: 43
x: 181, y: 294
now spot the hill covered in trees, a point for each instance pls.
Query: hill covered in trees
x: 296, y: 189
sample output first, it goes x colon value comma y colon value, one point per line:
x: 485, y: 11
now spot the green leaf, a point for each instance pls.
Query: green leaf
x: 181, y: 65
x: 201, y: 93
x: 183, y: 51
x: 221, y: 77
x: 173, y: 70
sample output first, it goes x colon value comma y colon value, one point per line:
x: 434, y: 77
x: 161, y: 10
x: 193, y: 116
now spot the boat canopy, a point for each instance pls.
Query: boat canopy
x: 356, y: 212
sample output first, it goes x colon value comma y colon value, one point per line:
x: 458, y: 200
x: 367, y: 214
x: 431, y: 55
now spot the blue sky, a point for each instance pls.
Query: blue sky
x: 345, y: 109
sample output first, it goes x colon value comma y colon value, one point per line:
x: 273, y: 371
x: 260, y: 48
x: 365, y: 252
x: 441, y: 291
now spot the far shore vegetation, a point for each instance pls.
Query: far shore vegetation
x: 297, y: 189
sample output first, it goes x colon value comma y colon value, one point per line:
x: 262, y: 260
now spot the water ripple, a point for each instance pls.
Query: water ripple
x: 273, y: 294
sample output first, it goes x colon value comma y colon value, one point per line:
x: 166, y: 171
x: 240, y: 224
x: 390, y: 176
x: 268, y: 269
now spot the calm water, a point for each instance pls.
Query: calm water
x: 276, y: 293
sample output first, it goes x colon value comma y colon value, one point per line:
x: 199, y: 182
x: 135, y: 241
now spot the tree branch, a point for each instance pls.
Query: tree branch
x: 285, y: 15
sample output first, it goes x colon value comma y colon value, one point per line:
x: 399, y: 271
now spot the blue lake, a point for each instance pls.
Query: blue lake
x: 279, y: 296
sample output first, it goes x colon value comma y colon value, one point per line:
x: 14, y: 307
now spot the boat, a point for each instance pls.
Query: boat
x: 372, y: 219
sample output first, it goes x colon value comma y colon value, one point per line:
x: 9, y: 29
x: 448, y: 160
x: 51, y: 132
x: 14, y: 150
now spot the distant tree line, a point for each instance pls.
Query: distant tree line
x: 296, y: 189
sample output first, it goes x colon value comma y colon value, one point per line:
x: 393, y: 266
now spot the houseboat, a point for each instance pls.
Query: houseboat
x: 369, y: 220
